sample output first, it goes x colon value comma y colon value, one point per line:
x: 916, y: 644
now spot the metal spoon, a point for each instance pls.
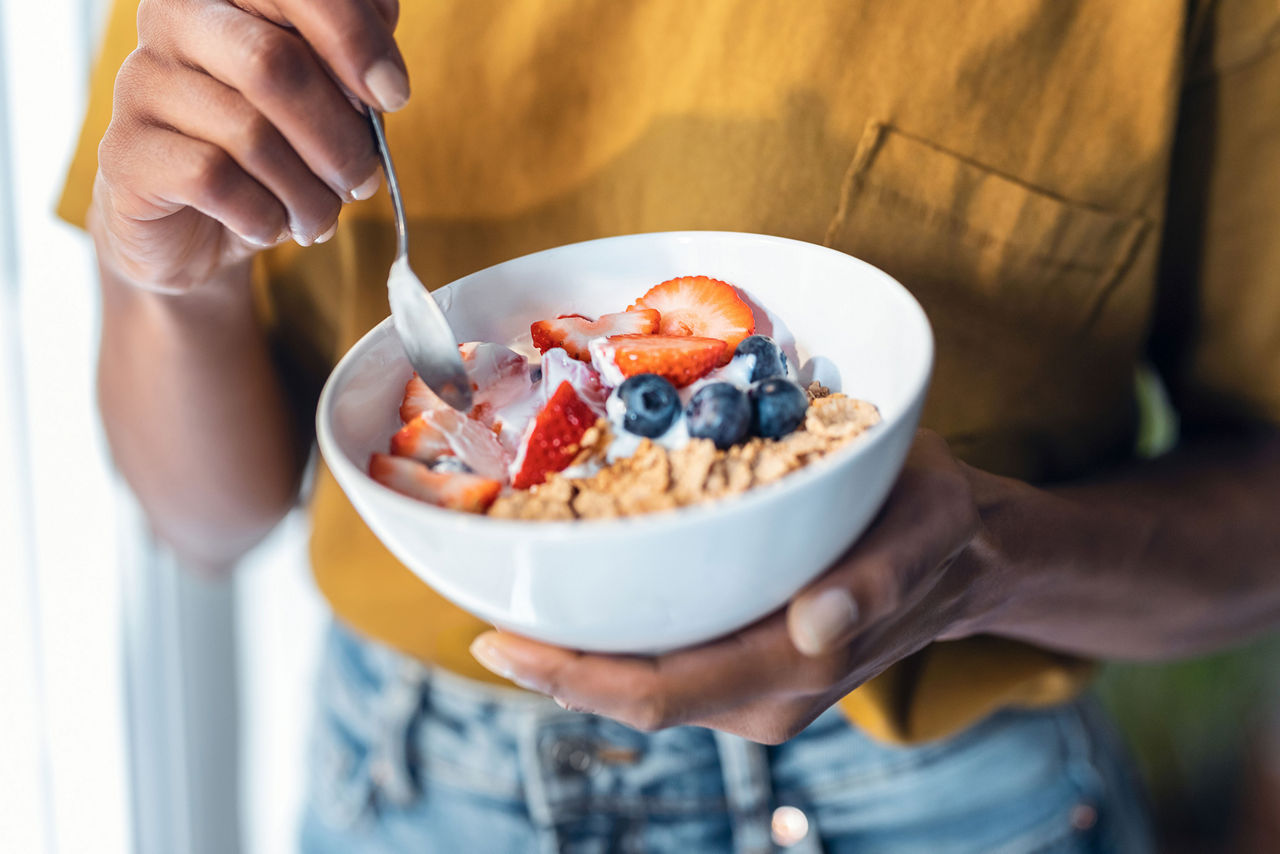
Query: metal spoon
x: 424, y: 332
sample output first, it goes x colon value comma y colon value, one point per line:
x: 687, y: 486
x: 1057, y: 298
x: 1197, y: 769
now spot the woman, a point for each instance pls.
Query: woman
x: 1009, y: 163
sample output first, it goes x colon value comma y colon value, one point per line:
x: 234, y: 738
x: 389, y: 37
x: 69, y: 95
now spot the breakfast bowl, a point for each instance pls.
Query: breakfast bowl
x: 654, y: 582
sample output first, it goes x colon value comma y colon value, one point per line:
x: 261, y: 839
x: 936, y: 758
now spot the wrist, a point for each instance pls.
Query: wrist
x: 993, y: 573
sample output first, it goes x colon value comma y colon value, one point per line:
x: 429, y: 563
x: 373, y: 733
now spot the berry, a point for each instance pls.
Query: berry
x: 498, y: 376
x: 474, y: 442
x: 719, y: 412
x: 449, y: 465
x: 778, y: 407
x: 558, y: 367
x: 420, y: 440
x: 679, y: 359
x: 701, y: 306
x: 457, y: 491
x: 418, y: 398
x: 551, y: 440
x: 574, y: 332
x: 652, y: 404
x: 770, y: 361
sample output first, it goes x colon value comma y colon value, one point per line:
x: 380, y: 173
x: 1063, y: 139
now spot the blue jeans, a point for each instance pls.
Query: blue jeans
x: 411, y: 760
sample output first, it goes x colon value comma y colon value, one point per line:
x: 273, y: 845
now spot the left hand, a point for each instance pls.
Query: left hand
x: 903, y: 585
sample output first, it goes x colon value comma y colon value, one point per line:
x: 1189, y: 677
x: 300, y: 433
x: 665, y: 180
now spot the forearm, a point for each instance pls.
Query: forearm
x: 1173, y: 557
x: 195, y: 414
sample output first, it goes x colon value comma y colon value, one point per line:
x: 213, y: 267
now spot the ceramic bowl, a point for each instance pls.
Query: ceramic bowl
x: 664, y: 580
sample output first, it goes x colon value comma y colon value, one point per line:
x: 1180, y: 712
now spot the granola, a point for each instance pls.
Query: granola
x: 655, y: 479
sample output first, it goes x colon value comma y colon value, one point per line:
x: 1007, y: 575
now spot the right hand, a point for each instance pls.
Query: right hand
x: 234, y: 129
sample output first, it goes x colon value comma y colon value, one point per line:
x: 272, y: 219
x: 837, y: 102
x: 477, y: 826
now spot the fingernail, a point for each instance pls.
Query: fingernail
x: 485, y: 651
x: 324, y: 238
x: 388, y: 84
x: 284, y: 235
x: 301, y: 238
x: 261, y: 244
x: 368, y: 188
x: 819, y: 622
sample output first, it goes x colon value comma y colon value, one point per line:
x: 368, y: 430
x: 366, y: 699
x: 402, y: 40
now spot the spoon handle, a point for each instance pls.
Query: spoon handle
x: 402, y: 236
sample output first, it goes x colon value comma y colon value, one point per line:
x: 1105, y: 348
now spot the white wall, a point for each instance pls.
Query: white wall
x: 59, y: 633
x: 128, y: 688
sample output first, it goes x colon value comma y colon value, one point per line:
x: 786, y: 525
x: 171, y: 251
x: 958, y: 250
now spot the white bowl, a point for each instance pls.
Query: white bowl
x: 666, y: 580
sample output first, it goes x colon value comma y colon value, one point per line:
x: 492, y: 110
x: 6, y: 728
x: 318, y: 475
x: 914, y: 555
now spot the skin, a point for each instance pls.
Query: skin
x: 215, y: 151
x: 227, y: 135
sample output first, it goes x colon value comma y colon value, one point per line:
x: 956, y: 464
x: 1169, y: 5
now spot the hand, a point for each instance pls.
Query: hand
x: 232, y: 130
x: 904, y: 584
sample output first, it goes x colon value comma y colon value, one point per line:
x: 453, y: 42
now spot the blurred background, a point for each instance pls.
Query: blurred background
x: 146, y: 709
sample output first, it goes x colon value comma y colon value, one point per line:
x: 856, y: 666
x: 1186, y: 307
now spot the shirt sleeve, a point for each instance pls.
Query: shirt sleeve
x: 119, y: 40
x: 1216, y: 338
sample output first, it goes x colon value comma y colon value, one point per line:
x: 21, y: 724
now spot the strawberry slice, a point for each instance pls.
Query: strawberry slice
x: 455, y: 490
x: 418, y: 398
x: 558, y: 367
x: 551, y: 440
x: 421, y: 440
x: 474, y: 443
x: 682, y: 359
x: 574, y: 332
x: 700, y: 306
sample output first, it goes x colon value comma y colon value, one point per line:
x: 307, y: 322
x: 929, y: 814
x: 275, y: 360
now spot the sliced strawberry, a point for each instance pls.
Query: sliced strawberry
x: 681, y: 359
x: 474, y: 443
x: 421, y: 440
x: 551, y: 441
x: 558, y: 367
x: 498, y: 376
x: 574, y: 332
x: 418, y: 398
x: 701, y: 306
x: 455, y: 490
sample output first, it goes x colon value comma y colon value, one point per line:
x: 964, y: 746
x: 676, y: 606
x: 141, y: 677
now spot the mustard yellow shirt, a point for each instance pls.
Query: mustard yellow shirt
x: 1008, y: 160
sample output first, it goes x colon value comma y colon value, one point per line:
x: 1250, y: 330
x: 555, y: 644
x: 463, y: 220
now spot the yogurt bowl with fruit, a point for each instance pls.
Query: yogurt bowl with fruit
x: 673, y: 434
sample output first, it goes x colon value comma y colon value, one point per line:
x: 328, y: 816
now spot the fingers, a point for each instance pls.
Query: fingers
x: 929, y: 518
x: 179, y: 186
x: 279, y: 75
x: 354, y: 39
x: 202, y: 108
x: 686, y: 686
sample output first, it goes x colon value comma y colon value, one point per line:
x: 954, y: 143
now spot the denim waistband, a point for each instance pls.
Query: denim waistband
x: 401, y: 742
x: 407, y: 724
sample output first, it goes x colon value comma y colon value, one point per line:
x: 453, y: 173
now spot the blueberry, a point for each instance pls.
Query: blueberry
x: 770, y: 360
x: 719, y: 412
x: 777, y: 407
x: 651, y: 402
x: 535, y: 374
x: 449, y: 464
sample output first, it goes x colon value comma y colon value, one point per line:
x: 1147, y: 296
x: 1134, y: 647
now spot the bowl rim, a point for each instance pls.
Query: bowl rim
x: 678, y: 517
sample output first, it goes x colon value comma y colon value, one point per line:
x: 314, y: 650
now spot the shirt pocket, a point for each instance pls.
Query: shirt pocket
x: 967, y: 239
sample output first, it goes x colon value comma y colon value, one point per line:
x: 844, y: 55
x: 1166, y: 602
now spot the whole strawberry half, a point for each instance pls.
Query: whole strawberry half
x: 681, y: 359
x: 455, y: 490
x: 574, y: 332
x: 551, y: 440
x: 700, y: 306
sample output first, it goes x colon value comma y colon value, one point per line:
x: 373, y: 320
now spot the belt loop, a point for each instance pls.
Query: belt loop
x: 529, y: 727
x: 748, y: 790
x: 396, y: 711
